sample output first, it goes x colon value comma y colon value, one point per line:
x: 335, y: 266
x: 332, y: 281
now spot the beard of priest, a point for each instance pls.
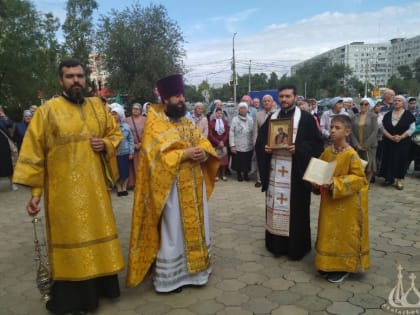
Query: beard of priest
x: 175, y: 110
x: 171, y: 92
x: 75, y: 93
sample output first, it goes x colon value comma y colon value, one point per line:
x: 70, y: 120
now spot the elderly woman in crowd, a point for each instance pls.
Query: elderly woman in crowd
x: 136, y: 122
x: 199, y: 119
x: 125, y: 151
x: 241, y: 141
x: 303, y: 105
x: 364, y: 136
x: 398, y: 126
x: 21, y: 127
x: 325, y: 123
x: 219, y: 137
x: 217, y: 104
x: 348, y: 107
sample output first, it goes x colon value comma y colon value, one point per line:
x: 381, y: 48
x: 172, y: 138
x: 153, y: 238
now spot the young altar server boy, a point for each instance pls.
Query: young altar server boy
x: 342, y: 245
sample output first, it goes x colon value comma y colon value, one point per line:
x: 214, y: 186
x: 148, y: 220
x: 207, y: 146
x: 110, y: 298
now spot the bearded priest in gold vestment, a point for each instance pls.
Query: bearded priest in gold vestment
x: 176, y: 174
x: 61, y: 159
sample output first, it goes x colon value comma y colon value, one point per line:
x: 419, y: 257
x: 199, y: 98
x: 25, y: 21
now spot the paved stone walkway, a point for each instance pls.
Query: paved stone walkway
x: 246, y: 278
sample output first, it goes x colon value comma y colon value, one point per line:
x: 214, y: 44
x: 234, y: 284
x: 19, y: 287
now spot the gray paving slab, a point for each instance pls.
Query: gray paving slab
x: 289, y: 310
x: 246, y: 278
x: 344, y: 308
x: 284, y: 297
x: 313, y: 303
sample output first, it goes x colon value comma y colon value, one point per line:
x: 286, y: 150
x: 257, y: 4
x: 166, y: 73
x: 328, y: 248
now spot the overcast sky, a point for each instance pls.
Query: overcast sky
x: 272, y: 34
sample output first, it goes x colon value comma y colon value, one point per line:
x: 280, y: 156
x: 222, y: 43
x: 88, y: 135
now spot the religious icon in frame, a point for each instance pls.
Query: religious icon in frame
x: 280, y: 133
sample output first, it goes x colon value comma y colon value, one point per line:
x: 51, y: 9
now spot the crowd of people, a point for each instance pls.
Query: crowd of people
x: 12, y: 141
x: 381, y: 134
x: 172, y: 160
x: 370, y: 135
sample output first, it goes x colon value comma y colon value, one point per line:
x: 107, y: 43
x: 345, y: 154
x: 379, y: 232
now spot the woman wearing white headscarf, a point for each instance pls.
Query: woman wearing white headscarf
x: 219, y: 138
x: 241, y: 135
x: 145, y: 107
x: 398, y: 126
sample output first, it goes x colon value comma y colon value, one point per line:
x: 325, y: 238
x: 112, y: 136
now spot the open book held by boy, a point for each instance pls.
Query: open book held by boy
x: 342, y: 245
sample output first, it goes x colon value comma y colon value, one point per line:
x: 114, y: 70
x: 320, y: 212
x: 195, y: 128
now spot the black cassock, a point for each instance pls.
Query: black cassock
x: 81, y: 296
x: 396, y: 154
x: 308, y: 143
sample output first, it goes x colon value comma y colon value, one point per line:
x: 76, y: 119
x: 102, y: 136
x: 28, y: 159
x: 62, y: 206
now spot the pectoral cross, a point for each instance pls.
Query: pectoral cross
x: 281, y: 198
x: 399, y: 268
x: 283, y: 171
x: 412, y: 277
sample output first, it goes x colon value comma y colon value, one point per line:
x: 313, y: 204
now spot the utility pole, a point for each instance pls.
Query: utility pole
x: 366, y: 76
x: 249, y: 77
x: 234, y: 69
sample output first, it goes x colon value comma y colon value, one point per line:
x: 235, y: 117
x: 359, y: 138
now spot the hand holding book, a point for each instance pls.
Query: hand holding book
x: 320, y: 172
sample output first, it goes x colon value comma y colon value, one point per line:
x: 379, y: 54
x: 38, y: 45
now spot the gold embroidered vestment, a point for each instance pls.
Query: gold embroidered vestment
x: 161, y: 163
x: 343, y: 232
x: 57, y: 158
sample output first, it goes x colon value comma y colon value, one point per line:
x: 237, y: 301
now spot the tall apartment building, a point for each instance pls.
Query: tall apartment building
x: 404, y: 52
x: 372, y: 63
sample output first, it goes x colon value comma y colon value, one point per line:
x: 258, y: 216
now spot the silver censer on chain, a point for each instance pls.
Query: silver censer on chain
x: 44, y: 281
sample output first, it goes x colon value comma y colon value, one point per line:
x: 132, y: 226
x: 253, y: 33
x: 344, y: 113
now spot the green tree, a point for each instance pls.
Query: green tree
x: 24, y: 33
x: 355, y: 86
x: 273, y: 81
x: 242, y: 87
x: 78, y: 29
x: 150, y: 48
x: 291, y: 80
x: 259, y: 81
x: 192, y: 94
x: 405, y: 72
x: 400, y: 86
x: 203, y: 90
x: 397, y: 84
x: 406, y: 83
x: 2, y: 8
x: 48, y: 82
x: 417, y: 69
x: 413, y: 87
x: 323, y: 78
x: 224, y: 93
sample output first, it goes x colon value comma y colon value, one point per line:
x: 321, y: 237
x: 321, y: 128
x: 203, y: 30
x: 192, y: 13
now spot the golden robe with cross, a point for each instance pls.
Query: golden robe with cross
x: 162, y: 162
x: 343, y: 232
x: 57, y: 158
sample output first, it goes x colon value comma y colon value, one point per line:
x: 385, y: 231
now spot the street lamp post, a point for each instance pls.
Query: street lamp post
x: 249, y: 77
x: 234, y: 69
x: 366, y: 77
